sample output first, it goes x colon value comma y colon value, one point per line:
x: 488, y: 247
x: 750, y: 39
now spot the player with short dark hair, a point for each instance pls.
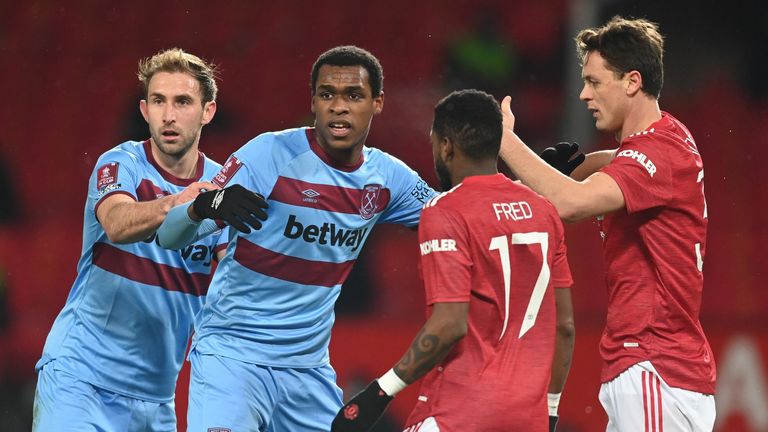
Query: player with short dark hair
x: 648, y: 197
x: 113, y: 355
x: 260, y: 356
x: 492, y: 251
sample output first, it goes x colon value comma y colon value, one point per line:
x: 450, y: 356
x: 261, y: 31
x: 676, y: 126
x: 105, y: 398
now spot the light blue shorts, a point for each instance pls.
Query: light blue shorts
x: 63, y: 403
x: 230, y: 395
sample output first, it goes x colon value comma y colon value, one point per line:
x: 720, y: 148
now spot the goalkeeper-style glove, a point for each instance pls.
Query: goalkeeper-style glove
x: 362, y: 411
x: 235, y: 205
x: 559, y: 157
x: 553, y: 423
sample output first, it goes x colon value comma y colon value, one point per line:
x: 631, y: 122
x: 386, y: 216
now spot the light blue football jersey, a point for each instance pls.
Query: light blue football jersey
x: 128, y: 318
x: 271, y: 300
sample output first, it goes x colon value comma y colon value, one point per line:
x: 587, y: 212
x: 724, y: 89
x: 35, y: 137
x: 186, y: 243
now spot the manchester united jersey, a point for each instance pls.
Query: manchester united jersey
x: 500, y: 247
x: 654, y: 252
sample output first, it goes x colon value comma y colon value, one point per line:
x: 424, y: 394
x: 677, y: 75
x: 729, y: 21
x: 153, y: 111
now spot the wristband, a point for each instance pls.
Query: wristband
x: 391, y: 383
x: 553, y: 401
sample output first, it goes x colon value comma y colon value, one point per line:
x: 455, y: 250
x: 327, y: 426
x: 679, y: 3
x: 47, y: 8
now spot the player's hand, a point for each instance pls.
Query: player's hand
x: 191, y: 192
x: 235, y: 205
x: 553, y: 423
x: 362, y: 411
x: 507, y: 117
x: 559, y: 157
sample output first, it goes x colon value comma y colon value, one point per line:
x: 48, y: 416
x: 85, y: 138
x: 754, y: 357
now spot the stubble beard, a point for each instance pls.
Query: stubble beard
x: 443, y: 175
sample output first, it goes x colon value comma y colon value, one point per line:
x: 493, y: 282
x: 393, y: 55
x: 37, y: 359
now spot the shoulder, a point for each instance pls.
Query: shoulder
x: 127, y: 152
x: 289, y: 140
x: 385, y: 160
x: 209, y: 164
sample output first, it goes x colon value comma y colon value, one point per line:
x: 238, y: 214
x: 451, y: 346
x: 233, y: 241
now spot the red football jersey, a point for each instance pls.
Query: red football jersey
x: 654, y: 252
x: 500, y: 247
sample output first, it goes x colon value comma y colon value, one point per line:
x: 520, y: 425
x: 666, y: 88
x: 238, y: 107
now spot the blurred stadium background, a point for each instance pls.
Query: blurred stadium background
x: 70, y: 92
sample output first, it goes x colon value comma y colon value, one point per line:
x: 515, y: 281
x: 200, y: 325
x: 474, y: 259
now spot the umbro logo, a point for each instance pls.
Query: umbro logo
x: 310, y: 195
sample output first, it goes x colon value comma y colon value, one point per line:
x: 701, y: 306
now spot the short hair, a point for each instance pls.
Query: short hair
x: 471, y: 119
x: 178, y: 60
x: 627, y: 45
x: 349, y: 55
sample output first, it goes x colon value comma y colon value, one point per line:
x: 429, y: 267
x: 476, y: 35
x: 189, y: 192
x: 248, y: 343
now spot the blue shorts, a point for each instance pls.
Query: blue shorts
x: 64, y: 403
x: 227, y: 394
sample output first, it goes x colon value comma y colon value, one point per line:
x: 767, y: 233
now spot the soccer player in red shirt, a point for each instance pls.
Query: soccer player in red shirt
x: 659, y: 371
x: 492, y: 250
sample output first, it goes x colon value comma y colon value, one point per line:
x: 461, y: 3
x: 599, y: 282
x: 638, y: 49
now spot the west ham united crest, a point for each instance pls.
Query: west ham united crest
x: 368, y: 204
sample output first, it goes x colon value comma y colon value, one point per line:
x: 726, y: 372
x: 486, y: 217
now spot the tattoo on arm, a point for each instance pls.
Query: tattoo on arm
x: 425, y: 352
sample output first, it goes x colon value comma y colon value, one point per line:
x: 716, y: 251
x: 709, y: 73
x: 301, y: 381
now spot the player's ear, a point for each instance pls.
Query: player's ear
x: 378, y: 103
x: 143, y: 109
x: 446, y: 149
x: 209, y: 109
x: 634, y: 82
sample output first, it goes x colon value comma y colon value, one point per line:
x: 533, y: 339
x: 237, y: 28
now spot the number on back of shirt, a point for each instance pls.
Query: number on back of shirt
x: 542, y: 281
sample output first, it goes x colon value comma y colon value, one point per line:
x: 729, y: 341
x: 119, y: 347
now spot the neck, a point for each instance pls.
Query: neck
x: 645, y: 113
x: 182, y: 166
x: 472, y: 168
x: 343, y: 156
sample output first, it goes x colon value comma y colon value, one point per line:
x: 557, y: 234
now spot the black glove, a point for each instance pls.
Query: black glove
x: 559, y: 157
x: 362, y: 411
x: 235, y: 205
x: 553, y: 423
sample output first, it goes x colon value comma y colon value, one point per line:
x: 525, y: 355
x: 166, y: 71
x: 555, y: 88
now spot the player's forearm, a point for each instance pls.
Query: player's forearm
x: 538, y: 175
x: 592, y: 163
x: 129, y: 222
x: 561, y: 364
x: 178, y: 230
x: 565, y: 338
x: 430, y: 346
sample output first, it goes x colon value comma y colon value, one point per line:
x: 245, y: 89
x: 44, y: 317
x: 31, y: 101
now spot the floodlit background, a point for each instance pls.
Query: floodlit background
x: 69, y: 92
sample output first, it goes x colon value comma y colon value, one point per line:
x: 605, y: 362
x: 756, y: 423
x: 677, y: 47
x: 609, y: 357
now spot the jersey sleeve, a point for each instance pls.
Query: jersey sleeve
x: 561, y: 271
x: 253, y: 166
x: 115, y: 173
x: 642, y: 171
x: 409, y: 193
x: 446, y: 260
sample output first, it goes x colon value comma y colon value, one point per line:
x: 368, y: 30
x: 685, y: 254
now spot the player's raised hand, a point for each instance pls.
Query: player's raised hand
x: 235, y: 205
x: 561, y: 157
x: 191, y: 192
x: 362, y: 411
x: 508, y: 118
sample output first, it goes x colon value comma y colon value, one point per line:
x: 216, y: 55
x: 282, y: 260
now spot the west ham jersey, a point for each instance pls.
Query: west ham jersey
x: 128, y: 318
x: 654, y: 251
x: 500, y: 247
x: 272, y: 297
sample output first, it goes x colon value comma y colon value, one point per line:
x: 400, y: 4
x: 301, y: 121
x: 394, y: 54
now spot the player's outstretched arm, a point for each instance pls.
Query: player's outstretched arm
x: 127, y: 221
x: 237, y: 206
x: 446, y: 326
x: 566, y: 158
x: 598, y: 194
x: 565, y: 337
x: 592, y: 164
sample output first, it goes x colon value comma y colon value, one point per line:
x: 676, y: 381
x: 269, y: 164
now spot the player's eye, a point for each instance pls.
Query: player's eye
x: 326, y: 95
x: 355, y: 96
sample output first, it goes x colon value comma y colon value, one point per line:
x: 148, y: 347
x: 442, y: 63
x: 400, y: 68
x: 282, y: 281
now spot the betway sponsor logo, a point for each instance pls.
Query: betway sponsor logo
x: 437, y: 245
x: 641, y: 158
x: 327, y: 233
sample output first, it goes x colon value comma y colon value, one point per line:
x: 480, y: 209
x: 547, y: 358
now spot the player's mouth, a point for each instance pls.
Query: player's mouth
x: 170, y: 135
x: 339, y: 128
